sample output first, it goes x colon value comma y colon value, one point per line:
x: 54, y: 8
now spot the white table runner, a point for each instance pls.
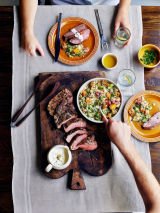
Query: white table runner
x: 33, y: 192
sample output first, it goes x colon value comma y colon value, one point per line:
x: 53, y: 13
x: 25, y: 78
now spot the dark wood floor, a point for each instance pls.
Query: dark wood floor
x: 6, y: 160
x: 151, y: 17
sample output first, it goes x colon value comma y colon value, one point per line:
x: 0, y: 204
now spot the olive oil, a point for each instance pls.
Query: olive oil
x: 109, y: 61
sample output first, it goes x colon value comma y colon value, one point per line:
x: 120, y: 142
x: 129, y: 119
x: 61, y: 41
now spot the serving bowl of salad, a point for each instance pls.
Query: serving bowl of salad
x: 99, y: 93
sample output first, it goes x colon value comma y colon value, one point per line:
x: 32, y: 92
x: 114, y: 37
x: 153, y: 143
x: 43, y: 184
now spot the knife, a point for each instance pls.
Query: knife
x: 57, y: 40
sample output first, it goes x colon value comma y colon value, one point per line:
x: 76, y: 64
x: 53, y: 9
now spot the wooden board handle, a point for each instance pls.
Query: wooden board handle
x: 77, y: 181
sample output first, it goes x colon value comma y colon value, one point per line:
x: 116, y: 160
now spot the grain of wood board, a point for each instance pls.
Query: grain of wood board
x: 151, y: 32
x: 96, y: 162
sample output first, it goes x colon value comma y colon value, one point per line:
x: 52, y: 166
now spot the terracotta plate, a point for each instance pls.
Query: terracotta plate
x: 152, y: 135
x: 92, y: 42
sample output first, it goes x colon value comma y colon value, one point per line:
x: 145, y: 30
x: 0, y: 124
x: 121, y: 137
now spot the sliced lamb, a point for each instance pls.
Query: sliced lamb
x: 56, y: 100
x: 87, y: 144
x: 152, y: 122
x: 78, y: 39
x: 71, y: 33
x: 64, y: 112
x: 77, y: 140
x: 74, y: 123
x: 61, y: 119
x: 73, y: 133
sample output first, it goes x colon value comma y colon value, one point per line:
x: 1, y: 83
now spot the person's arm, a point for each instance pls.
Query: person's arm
x: 27, y: 13
x: 122, y: 17
x: 147, y: 184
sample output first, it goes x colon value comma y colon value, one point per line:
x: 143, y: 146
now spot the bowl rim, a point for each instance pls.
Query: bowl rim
x: 109, y: 68
x: 85, y: 84
x: 149, y: 45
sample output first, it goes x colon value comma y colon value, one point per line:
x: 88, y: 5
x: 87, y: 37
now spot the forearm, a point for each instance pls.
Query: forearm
x: 124, y: 5
x: 146, y: 182
x: 27, y: 12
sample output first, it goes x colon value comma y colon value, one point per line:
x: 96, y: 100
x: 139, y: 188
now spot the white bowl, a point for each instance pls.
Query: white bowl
x: 82, y: 88
x: 51, y: 157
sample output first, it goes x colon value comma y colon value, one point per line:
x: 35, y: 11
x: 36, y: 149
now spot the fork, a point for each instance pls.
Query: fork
x: 104, y: 43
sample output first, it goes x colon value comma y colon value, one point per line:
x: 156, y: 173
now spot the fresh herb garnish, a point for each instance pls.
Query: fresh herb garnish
x: 149, y: 57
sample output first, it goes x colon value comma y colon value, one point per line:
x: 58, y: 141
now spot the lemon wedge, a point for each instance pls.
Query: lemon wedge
x: 128, y: 79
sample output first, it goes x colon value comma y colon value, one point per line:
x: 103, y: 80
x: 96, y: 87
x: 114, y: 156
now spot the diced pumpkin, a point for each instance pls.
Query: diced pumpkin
x: 108, y: 95
x: 84, y: 93
x: 113, y: 107
x: 88, y: 100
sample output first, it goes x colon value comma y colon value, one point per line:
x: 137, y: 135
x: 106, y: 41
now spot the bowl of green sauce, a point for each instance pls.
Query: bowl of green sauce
x: 149, y: 55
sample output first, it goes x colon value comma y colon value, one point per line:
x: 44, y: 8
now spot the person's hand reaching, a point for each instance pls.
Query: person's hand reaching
x: 122, y: 20
x: 31, y: 44
x: 119, y: 133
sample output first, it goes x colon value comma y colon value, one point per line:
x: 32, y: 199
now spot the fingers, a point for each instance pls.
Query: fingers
x: 32, y: 52
x: 105, y: 120
x: 116, y: 26
x: 40, y: 50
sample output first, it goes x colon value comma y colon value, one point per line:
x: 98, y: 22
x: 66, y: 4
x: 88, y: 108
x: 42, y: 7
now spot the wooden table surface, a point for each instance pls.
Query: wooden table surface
x: 151, y: 34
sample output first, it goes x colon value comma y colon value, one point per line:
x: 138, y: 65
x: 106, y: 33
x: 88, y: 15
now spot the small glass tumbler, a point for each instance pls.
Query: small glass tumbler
x: 126, y: 80
x: 123, y: 34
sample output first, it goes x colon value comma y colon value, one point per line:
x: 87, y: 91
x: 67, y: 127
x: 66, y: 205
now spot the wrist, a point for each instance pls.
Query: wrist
x: 123, y: 7
x: 27, y: 30
x: 128, y: 148
x: 125, y: 147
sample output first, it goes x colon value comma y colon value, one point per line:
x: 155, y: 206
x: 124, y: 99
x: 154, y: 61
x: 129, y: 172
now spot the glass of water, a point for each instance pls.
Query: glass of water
x: 126, y: 78
x: 123, y: 34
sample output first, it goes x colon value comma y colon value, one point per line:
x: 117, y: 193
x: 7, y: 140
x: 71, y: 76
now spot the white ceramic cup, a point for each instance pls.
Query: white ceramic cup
x: 52, y: 156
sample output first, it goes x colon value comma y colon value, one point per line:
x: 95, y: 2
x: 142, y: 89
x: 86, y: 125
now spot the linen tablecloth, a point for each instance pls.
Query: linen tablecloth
x: 33, y: 192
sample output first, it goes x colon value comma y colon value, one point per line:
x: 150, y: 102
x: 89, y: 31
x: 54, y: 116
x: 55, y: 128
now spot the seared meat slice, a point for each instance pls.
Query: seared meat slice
x: 64, y: 112
x: 61, y: 119
x: 152, y: 122
x: 56, y: 100
x: 87, y: 144
x: 74, y: 123
x: 71, y: 33
x: 77, y: 140
x: 73, y: 133
x: 84, y: 36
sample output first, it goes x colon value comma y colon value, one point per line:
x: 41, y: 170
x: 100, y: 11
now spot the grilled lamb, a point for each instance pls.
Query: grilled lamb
x: 84, y: 35
x: 71, y: 33
x: 63, y: 111
x: 54, y: 102
x: 74, y: 123
x: 73, y: 133
x: 87, y: 144
x: 77, y: 140
x: 152, y: 122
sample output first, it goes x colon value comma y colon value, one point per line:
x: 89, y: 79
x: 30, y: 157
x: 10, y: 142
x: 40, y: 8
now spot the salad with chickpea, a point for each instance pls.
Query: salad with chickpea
x: 100, y: 93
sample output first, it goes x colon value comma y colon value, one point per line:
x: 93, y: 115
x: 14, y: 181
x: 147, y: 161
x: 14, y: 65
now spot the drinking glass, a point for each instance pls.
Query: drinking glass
x: 123, y: 34
x: 126, y: 80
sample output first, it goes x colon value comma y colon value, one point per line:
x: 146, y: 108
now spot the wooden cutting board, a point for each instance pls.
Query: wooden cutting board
x: 95, y: 163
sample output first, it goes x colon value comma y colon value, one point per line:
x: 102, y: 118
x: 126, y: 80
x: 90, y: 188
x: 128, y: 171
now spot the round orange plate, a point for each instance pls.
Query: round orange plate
x: 92, y: 42
x: 152, y: 135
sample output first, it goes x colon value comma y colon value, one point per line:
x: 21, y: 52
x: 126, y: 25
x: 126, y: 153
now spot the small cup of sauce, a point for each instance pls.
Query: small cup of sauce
x: 59, y: 157
x: 109, y: 61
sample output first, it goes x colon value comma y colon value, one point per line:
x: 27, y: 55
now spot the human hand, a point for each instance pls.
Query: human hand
x: 31, y: 44
x: 122, y: 20
x: 119, y: 133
